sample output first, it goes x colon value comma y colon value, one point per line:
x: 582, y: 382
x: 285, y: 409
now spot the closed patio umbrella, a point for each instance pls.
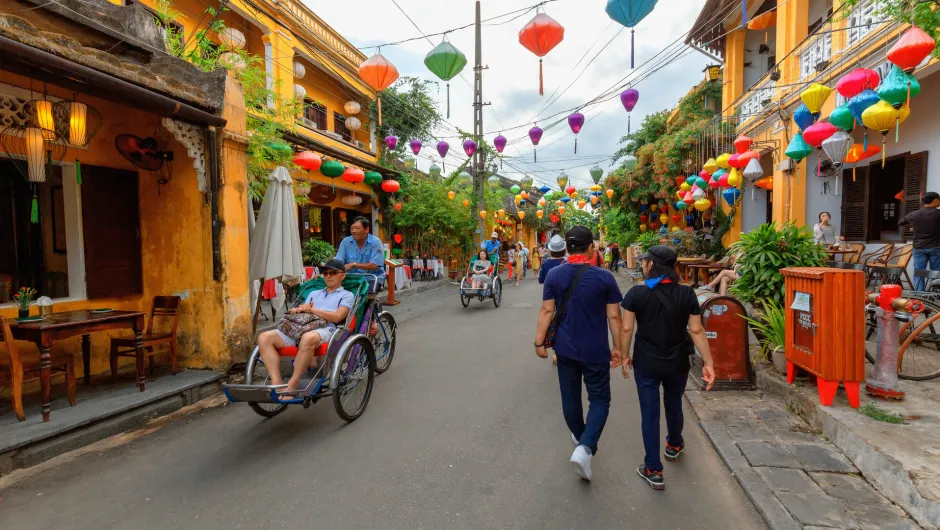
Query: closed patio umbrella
x: 274, y: 252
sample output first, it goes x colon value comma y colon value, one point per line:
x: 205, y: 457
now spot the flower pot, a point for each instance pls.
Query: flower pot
x: 779, y: 357
x: 23, y: 313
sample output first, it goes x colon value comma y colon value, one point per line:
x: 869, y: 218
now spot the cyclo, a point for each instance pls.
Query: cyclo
x: 494, y: 289
x: 347, y: 363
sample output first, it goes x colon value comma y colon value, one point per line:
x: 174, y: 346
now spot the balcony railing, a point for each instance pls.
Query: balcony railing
x: 760, y: 96
x: 817, y: 52
x: 861, y: 21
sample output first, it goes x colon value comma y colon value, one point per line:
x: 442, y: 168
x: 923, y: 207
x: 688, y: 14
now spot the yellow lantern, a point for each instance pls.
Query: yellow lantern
x: 710, y: 166
x: 78, y: 121
x: 663, y: 218
x: 882, y: 117
x: 581, y: 203
x: 815, y: 97
x: 539, y: 214
x: 561, y: 210
x: 35, y: 153
x: 703, y: 204
x: 734, y: 178
x: 466, y: 202
x: 451, y: 195
x: 542, y: 202
x: 642, y: 228
x: 482, y: 214
x: 595, y: 188
x: 521, y: 215
x: 501, y: 212
x: 610, y: 194
x: 573, y: 194
x: 722, y: 161
x: 684, y: 187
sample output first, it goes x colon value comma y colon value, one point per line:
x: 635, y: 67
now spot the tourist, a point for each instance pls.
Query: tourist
x: 586, y: 299
x: 823, y: 232
x: 661, y: 308
x: 556, y: 248
x: 926, y: 222
x: 614, y: 257
x: 517, y: 258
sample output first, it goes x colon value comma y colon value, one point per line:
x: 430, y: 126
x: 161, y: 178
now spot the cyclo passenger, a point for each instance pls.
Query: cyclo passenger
x: 480, y: 271
x: 332, y: 304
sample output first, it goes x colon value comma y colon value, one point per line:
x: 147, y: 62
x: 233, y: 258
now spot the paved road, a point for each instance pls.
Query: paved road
x: 464, y: 431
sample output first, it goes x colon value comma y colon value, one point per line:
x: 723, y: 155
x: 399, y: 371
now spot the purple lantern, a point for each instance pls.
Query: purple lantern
x: 535, y: 134
x: 469, y: 147
x: 391, y: 142
x: 415, y: 145
x: 442, y: 148
x: 576, y: 121
x: 629, y: 97
x: 500, y: 143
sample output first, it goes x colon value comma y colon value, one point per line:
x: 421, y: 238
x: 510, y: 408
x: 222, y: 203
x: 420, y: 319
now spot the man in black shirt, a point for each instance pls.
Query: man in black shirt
x: 926, y: 222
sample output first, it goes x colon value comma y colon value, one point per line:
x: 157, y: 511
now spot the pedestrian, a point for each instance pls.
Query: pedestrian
x: 607, y: 258
x: 518, y: 260
x: 614, y: 257
x: 926, y: 222
x: 597, y: 258
x: 580, y: 305
x: 823, y: 232
x: 661, y: 308
x: 556, y: 249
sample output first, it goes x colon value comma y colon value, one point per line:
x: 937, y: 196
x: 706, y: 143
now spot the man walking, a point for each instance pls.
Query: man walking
x: 926, y: 222
x: 582, y: 303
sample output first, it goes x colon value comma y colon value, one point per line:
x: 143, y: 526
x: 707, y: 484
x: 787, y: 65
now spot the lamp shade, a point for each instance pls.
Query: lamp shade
x: 353, y: 123
x: 351, y: 107
x: 842, y: 118
x: 332, y: 169
x: 911, y: 49
x: 854, y: 82
x: 798, y: 148
x: 815, y: 97
x: 562, y: 181
x: 882, y: 117
x: 710, y: 166
x: 499, y: 143
x: 753, y: 170
x: 391, y: 142
x: 898, y: 87
x: 308, y: 160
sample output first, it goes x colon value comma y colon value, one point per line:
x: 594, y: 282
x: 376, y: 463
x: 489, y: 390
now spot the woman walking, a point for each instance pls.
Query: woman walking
x: 662, y: 308
x: 518, y: 257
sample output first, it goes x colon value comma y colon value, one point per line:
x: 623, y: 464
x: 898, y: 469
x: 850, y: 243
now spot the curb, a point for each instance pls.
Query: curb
x: 413, y: 290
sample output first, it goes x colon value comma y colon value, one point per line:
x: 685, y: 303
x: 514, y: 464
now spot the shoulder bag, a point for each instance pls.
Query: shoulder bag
x: 294, y: 325
x: 686, y: 343
x: 549, y: 341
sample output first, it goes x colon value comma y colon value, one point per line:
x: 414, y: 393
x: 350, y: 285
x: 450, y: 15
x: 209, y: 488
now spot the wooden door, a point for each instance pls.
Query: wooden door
x: 111, y: 228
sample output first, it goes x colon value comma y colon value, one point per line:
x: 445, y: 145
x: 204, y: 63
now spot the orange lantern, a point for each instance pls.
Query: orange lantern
x: 390, y: 186
x: 466, y: 202
x: 561, y: 210
x: 912, y: 48
x: 539, y: 36
x: 857, y: 153
x: 397, y: 207
x: 482, y: 214
x: 539, y: 213
x: 521, y: 215
x: 593, y: 200
x: 581, y: 203
x: 379, y: 74
x: 524, y: 194
x: 451, y: 195
x: 610, y: 194
x: 500, y: 212
x: 308, y: 160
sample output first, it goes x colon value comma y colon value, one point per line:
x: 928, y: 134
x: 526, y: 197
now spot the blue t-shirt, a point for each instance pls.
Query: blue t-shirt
x: 491, y: 247
x: 583, y: 332
x: 548, y: 265
x: 331, y: 301
x: 371, y: 252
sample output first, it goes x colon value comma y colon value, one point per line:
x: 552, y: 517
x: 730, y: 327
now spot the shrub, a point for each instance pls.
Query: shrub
x: 648, y: 239
x: 316, y: 251
x: 770, y: 327
x: 763, y: 252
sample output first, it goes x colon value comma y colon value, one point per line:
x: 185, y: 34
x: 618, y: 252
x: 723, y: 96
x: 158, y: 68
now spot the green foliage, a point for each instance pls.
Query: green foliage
x: 577, y: 217
x: 771, y: 327
x: 879, y: 414
x: 764, y: 251
x: 408, y: 111
x: 623, y: 226
x: 316, y: 251
x: 648, y: 239
x: 433, y: 220
x: 923, y: 14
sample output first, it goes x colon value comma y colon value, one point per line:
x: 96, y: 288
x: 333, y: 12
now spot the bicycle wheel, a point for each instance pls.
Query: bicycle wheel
x: 919, y: 354
x: 353, y: 382
x: 497, y: 291
x: 267, y: 410
x: 384, y: 342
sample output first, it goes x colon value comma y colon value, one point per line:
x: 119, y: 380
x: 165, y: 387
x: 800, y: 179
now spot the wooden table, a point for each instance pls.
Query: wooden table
x: 58, y: 326
x: 834, y: 253
x: 685, y: 263
x: 707, y: 268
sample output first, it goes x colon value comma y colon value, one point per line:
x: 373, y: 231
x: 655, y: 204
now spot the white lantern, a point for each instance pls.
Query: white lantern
x: 299, y: 70
x: 232, y: 38
x: 35, y: 154
x: 233, y: 61
x: 299, y: 91
x: 303, y: 188
x: 410, y: 162
x: 352, y: 200
x: 352, y: 107
x: 353, y: 123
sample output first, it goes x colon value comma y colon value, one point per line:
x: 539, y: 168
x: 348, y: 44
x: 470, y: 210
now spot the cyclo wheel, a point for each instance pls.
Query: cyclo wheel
x: 267, y: 410
x: 919, y: 353
x: 497, y: 291
x: 384, y: 342
x: 356, y: 374
x: 464, y: 299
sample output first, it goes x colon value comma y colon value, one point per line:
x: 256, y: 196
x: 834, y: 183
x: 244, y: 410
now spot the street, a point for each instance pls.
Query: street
x: 464, y: 431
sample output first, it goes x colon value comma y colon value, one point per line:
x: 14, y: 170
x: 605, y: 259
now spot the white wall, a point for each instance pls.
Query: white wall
x: 758, y: 67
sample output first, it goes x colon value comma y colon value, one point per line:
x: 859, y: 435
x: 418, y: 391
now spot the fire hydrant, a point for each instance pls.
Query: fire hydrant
x: 889, y: 309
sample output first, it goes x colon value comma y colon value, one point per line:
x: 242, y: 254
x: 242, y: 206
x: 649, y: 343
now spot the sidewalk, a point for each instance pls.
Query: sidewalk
x: 794, y: 476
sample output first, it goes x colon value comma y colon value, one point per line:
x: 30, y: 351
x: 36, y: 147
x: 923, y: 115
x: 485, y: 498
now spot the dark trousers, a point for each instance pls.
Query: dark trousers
x: 647, y: 388
x: 596, y: 378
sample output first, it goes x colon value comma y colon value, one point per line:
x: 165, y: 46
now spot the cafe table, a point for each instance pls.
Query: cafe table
x: 684, y: 263
x: 834, y: 253
x: 59, y: 326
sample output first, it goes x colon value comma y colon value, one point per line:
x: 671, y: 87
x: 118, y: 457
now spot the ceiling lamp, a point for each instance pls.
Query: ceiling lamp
x: 352, y: 200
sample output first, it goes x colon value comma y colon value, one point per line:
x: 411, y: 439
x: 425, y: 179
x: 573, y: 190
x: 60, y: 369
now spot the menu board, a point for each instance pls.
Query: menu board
x: 804, y: 323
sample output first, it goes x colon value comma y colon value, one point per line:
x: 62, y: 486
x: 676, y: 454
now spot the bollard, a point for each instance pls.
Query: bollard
x: 890, y: 309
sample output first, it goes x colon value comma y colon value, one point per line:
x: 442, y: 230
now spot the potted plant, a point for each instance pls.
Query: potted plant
x: 770, y: 328
x: 23, y: 298
x: 316, y: 251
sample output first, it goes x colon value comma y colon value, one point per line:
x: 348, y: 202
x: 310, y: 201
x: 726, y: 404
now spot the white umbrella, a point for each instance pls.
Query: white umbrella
x: 274, y: 252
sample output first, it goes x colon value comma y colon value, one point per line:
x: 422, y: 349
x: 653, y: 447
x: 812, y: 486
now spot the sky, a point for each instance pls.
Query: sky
x: 510, y: 82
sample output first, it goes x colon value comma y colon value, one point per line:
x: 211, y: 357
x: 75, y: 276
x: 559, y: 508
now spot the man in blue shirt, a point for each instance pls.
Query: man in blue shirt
x: 361, y: 252
x: 492, y: 248
x: 556, y: 246
x: 581, y: 341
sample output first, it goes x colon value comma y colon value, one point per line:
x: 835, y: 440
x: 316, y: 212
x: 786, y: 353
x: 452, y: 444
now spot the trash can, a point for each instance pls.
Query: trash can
x: 726, y: 330
x: 825, y: 321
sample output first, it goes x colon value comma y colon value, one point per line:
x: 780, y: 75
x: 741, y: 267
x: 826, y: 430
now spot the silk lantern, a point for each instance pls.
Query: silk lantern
x: 642, y: 228
x: 521, y: 215
x: 742, y: 143
x: 397, y: 207
x: 723, y: 180
x: 911, y: 49
x: 464, y: 178
x: 435, y: 171
x: 859, y: 152
x: 581, y: 203
x: 466, y: 202
x: 702, y: 204
x: 442, y: 148
x: 733, y: 161
x: 858, y: 104
x: 701, y: 182
x: 308, y: 160
x: 445, y: 61
x: 540, y: 36
x: 539, y: 213
x: 680, y: 180
x: 390, y: 186
x: 499, y: 143
x: 451, y: 195
x: 515, y: 189
x: 545, y: 190
x: 734, y: 178
x: 351, y: 107
x: 842, y: 118
x: 898, y: 88
x: 610, y: 194
x: 535, y: 135
x: 596, y: 174
x: 501, y: 212
x: 722, y: 162
x: 629, y: 99
x: 816, y: 133
x: 353, y: 175
x: 379, y: 74
x: 373, y: 178
x: 731, y: 195
x: 681, y: 205
x: 469, y: 147
x: 415, y: 145
x: 482, y: 214
x: 332, y: 169
x: 856, y: 81
x: 685, y: 186
x: 710, y: 166
x: 575, y: 122
x: 524, y: 194
x: 803, y: 117
x: 562, y: 181
x: 398, y: 238
x: 688, y: 199
x: 594, y: 200
x: 882, y: 117
x: 561, y: 210
x: 815, y: 97
x: 837, y: 148
x: 753, y: 171
x: 629, y: 13
x: 526, y: 182
x: 494, y: 183
x: 798, y: 148
x: 542, y: 202
x: 595, y: 188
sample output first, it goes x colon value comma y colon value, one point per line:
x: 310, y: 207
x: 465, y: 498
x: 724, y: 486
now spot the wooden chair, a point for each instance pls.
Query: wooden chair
x: 854, y: 258
x: 164, y: 307
x: 18, y: 365
x: 899, y: 260
x: 878, y: 257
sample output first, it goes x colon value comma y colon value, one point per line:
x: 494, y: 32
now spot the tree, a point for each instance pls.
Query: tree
x: 408, y: 111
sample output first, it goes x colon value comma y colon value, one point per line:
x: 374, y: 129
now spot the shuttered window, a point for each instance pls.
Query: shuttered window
x: 111, y: 230
x: 915, y: 182
x: 870, y: 203
x: 855, y: 204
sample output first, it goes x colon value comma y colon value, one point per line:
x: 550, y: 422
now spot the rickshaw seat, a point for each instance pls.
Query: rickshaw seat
x: 291, y: 351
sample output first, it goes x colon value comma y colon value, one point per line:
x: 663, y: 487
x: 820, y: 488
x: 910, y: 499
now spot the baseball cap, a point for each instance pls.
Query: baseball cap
x: 930, y: 196
x: 494, y: 234
x: 579, y: 237
x: 334, y: 264
x: 556, y: 244
x: 661, y: 255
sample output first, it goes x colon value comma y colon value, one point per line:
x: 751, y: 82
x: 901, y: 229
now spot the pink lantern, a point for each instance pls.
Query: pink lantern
x: 705, y: 175
x: 415, y: 145
x: 818, y: 132
x: 499, y: 143
x: 857, y: 81
x: 391, y: 142
x: 733, y: 161
x: 469, y: 147
x: 688, y: 198
x: 629, y: 98
x: 576, y: 121
x: 723, y: 181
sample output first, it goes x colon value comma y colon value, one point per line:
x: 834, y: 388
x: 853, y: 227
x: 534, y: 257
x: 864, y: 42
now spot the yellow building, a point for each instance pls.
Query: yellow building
x: 764, y: 72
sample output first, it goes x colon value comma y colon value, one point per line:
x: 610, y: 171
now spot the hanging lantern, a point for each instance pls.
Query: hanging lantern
x: 524, y: 194
x: 629, y: 13
x: 308, y: 160
x: 561, y: 210
x: 753, y: 170
x: 560, y: 203
x: 610, y: 194
x: 451, y: 195
x: 469, y: 147
x: 39, y: 115
x: 415, y: 145
x: 596, y: 174
x: 722, y: 161
x: 410, y: 162
x: 837, y: 146
x: 702, y: 204
x: 594, y: 200
x: 803, y: 118
x: 911, y: 49
x: 544, y: 190
x: 685, y: 186
x: 562, y: 181
x: 353, y: 123
x: 464, y: 178
x: 353, y: 175
x: 332, y: 169
x: 733, y: 161
x: 77, y: 122
x: 445, y: 61
x: 709, y: 167
x: 390, y: 186
x: 303, y: 188
x: 391, y: 142
x: 435, y: 171
x: 643, y: 218
x: 575, y: 122
x: 703, y: 182
x: 898, y: 87
x: 466, y: 202
x: 842, y: 118
x: 856, y: 81
x: 762, y: 22
x: 515, y: 189
x: 398, y: 238
x: 723, y: 180
x: 373, y: 178
x: 542, y: 202
x: 397, y: 206
x: 233, y: 61
x: 581, y: 203
x: 535, y: 135
x: 30, y: 151
x: 731, y: 195
x: 482, y: 214
x: 521, y: 215
x: 595, y: 188
x: 663, y: 219
x: 351, y: 107
x: 539, y: 213
x: 882, y: 117
x: 526, y: 182
x: 642, y: 228
x: 815, y: 97
x: 688, y: 199
x: 629, y: 99
x: 697, y: 193
x: 517, y: 199
x: 570, y: 190
x: 742, y: 144
x: 734, y: 178
x: 818, y: 132
x: 299, y: 91
x: 493, y: 182
x: 680, y: 180
x: 351, y: 200
x: 539, y: 36
x: 379, y: 74
x: 232, y: 39
x: 681, y: 205
x: 858, y: 104
x: 798, y: 148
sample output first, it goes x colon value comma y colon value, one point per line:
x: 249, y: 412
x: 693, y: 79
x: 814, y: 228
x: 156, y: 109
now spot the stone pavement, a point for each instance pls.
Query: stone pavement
x: 795, y: 477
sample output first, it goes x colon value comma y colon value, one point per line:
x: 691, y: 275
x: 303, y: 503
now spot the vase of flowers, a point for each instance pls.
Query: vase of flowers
x: 23, y: 297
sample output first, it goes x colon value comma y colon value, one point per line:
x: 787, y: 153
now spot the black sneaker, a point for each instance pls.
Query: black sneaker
x: 654, y: 478
x: 672, y: 453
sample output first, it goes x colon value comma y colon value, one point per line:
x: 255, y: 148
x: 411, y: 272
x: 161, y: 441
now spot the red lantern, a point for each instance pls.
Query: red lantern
x: 554, y: 217
x: 390, y: 186
x: 570, y: 189
x: 663, y: 209
x: 539, y: 36
x: 308, y: 160
x: 679, y: 180
x: 399, y: 238
x: 654, y: 225
x: 742, y: 144
x: 912, y: 48
x: 734, y: 161
x: 856, y: 81
x: 643, y: 218
x: 353, y: 175
x: 397, y: 207
x: 818, y: 132
x: 676, y: 218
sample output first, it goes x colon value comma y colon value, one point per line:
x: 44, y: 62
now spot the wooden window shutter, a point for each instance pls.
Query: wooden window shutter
x: 855, y: 204
x: 111, y: 228
x: 915, y: 182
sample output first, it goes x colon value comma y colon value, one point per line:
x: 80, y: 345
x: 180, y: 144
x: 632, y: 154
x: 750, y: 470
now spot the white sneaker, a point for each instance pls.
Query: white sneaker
x: 574, y: 440
x: 581, y: 459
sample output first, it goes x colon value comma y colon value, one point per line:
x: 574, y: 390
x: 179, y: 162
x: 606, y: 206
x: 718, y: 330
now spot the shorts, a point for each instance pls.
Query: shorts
x: 325, y: 334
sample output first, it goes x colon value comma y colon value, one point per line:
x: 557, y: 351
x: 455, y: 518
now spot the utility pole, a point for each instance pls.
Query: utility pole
x: 478, y: 162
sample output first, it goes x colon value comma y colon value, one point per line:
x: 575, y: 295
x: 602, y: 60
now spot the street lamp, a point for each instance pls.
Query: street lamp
x: 712, y: 72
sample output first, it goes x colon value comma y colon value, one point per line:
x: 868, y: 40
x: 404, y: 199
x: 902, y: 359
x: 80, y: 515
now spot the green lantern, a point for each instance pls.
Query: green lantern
x: 494, y: 182
x: 562, y: 181
x: 396, y: 252
x: 445, y: 61
x: 798, y: 148
x: 898, y: 87
x: 410, y: 162
x: 526, y: 182
x: 596, y: 174
x: 373, y: 178
x: 332, y: 169
x: 435, y: 171
x: 280, y: 148
x: 463, y: 178
x: 515, y: 189
x: 842, y: 118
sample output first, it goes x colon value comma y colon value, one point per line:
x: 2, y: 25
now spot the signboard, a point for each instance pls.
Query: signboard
x: 393, y: 262
x: 804, y: 323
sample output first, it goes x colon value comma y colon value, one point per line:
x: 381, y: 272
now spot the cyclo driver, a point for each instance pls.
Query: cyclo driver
x: 362, y: 253
x: 492, y: 249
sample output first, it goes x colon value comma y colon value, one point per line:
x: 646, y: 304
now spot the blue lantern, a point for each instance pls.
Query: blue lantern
x: 731, y: 195
x: 629, y: 13
x: 566, y: 200
x: 804, y: 118
x: 544, y: 189
x: 689, y: 219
